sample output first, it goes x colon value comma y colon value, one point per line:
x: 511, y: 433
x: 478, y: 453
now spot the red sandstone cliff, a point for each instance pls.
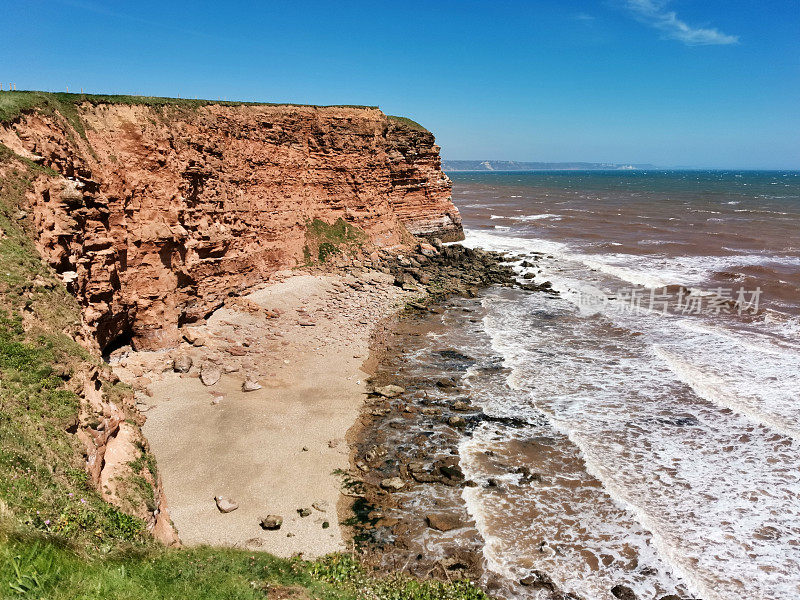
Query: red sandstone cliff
x: 161, y: 212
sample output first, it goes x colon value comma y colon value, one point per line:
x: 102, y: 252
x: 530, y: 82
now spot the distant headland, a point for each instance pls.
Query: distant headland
x: 511, y: 165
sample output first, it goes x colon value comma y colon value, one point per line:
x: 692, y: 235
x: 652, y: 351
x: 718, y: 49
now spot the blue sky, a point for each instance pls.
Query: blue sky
x: 680, y: 82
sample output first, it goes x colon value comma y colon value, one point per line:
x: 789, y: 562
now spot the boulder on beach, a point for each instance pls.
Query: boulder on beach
x: 420, y: 474
x: 393, y: 484
x: 623, y: 592
x: 225, y: 505
x: 182, y: 363
x: 457, y: 421
x: 405, y: 280
x: 210, y: 374
x: 538, y: 580
x: 389, y: 391
x: 374, y: 456
x: 452, y: 472
x: 272, y: 522
x: 427, y: 250
x: 250, y: 386
x: 190, y: 334
x: 443, y: 521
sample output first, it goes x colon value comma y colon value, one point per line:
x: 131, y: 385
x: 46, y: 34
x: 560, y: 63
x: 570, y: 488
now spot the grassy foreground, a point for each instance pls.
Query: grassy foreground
x: 58, y: 538
x: 40, y: 568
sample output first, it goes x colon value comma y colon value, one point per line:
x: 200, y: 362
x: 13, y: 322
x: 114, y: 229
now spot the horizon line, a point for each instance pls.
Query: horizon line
x: 601, y: 166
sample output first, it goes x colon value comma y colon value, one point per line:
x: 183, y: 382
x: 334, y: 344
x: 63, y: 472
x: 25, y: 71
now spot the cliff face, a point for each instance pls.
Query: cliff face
x: 161, y: 212
x: 420, y: 191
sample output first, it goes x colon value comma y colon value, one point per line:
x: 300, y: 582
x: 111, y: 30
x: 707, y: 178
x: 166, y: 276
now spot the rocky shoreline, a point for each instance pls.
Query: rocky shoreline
x: 405, y: 482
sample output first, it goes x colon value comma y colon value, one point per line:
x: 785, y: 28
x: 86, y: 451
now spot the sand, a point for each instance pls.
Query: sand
x: 277, y: 449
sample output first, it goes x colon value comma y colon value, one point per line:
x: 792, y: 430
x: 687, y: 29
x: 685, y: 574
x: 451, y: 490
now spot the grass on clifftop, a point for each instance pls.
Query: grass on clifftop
x: 15, y: 103
x: 58, y: 539
x: 12, y: 104
x: 406, y: 122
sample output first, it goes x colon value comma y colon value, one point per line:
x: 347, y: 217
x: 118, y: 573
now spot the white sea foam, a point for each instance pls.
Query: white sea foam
x: 715, y: 488
x: 728, y: 393
x: 484, y: 239
x: 525, y: 218
x: 647, y: 270
x: 537, y: 217
x: 613, y: 532
x: 655, y: 242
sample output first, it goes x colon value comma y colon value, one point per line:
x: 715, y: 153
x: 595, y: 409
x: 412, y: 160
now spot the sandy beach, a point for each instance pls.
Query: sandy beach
x: 274, y: 450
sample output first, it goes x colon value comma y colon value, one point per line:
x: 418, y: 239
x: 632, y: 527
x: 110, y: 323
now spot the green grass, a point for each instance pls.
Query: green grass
x: 12, y: 104
x: 323, y: 240
x: 37, y: 567
x: 340, y: 232
x: 406, y: 122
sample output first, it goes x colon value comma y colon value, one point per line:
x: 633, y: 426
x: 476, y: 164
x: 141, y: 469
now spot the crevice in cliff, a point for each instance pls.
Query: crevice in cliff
x: 121, y: 340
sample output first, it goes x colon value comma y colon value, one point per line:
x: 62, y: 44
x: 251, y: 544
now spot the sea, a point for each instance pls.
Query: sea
x: 650, y: 397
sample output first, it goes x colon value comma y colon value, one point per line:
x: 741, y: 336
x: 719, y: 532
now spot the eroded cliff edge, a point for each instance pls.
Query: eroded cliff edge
x: 157, y: 213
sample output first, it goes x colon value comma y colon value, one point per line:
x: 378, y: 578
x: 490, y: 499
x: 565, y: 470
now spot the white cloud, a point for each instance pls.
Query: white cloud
x: 652, y: 13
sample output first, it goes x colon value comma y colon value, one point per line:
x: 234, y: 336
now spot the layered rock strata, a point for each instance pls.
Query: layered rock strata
x: 159, y: 213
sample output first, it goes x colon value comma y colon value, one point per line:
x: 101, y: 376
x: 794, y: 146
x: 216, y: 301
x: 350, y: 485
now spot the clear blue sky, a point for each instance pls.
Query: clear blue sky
x: 681, y: 82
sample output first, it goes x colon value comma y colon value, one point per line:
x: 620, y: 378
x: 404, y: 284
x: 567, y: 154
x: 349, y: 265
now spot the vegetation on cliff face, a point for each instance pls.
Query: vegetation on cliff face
x: 323, y: 239
x: 58, y: 538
